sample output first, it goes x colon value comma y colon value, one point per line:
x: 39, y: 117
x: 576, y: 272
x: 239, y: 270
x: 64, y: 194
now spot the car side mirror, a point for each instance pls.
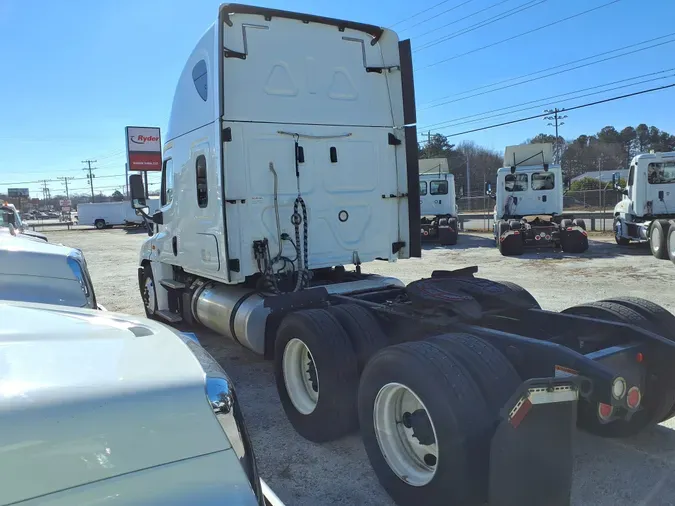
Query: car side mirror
x: 137, y: 191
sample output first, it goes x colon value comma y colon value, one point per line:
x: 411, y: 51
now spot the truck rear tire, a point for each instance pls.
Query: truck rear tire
x: 579, y: 223
x: 447, y: 236
x: 317, y: 375
x: 658, y: 399
x: 565, y: 223
x: 493, y: 373
x: 573, y: 241
x: 100, y: 224
x: 671, y: 241
x: 439, y: 454
x: 502, y: 227
x: 658, y: 235
x: 363, y: 329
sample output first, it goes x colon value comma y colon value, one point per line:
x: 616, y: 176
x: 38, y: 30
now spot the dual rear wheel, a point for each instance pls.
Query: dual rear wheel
x: 426, y: 409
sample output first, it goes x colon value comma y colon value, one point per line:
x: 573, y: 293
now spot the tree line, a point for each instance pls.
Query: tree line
x: 608, y: 149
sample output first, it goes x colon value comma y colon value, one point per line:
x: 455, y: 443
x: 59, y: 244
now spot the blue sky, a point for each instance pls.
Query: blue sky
x: 77, y: 71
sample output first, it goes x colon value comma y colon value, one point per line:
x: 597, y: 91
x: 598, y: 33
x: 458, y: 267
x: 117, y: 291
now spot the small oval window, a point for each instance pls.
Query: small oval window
x: 200, y: 77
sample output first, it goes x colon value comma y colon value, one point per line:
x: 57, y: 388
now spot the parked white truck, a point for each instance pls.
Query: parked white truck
x: 529, y: 204
x: 110, y: 214
x: 291, y: 153
x: 647, y: 210
x: 438, y: 208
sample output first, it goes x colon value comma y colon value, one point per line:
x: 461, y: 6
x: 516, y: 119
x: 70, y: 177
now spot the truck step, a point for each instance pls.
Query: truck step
x: 168, y: 316
x: 171, y: 283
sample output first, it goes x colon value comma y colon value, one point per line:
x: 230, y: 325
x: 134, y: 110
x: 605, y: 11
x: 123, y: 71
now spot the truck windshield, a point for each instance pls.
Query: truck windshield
x: 661, y: 173
x: 9, y: 217
x: 515, y: 182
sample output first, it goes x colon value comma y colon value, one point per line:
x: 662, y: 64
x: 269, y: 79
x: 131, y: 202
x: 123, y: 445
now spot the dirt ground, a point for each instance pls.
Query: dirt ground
x: 637, y: 471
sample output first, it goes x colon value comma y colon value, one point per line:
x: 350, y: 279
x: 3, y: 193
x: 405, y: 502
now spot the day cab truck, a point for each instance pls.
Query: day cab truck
x: 529, y: 204
x: 647, y: 211
x: 438, y: 208
x: 290, y: 163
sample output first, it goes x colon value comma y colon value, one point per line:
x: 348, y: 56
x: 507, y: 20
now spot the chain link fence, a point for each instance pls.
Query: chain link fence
x: 585, y: 200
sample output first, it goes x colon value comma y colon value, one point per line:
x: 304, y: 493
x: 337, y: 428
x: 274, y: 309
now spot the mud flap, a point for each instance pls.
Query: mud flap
x: 531, y: 453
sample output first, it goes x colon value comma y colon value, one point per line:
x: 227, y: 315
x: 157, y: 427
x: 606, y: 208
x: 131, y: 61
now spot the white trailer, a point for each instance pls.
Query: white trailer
x: 438, y: 208
x: 291, y: 160
x: 110, y: 214
x: 529, y: 204
x: 647, y: 210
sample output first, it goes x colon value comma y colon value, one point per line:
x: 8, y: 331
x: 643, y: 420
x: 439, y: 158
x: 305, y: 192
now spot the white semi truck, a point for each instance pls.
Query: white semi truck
x: 647, y: 210
x: 529, y: 204
x: 290, y: 162
x: 438, y: 207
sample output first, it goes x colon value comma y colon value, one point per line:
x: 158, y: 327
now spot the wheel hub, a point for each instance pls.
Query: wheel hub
x: 406, y: 434
x: 149, y: 294
x: 300, y: 376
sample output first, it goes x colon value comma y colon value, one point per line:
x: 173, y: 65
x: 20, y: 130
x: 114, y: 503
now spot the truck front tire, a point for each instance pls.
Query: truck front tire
x: 618, y: 233
x: 99, y: 224
x: 146, y: 284
x: 317, y: 375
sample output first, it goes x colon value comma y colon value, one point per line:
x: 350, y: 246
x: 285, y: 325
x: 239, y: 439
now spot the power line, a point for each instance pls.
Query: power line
x: 462, y: 19
x: 516, y: 10
x: 54, y: 180
x: 551, y: 74
x: 551, y: 103
x: 520, y: 120
x: 521, y: 34
x: 447, y: 123
x: 419, y: 13
x: 436, y: 15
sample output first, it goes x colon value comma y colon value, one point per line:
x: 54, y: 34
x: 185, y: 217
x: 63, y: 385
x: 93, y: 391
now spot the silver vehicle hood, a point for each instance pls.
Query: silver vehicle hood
x: 87, y: 395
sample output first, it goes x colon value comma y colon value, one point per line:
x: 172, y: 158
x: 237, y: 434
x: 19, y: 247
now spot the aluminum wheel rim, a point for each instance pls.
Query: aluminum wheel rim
x: 300, y: 376
x: 149, y: 287
x: 656, y: 239
x: 406, y: 456
x: 671, y: 244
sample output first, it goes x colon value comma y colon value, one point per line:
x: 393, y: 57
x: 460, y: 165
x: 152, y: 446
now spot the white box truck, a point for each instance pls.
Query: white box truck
x: 647, y: 210
x: 110, y: 214
x: 290, y: 162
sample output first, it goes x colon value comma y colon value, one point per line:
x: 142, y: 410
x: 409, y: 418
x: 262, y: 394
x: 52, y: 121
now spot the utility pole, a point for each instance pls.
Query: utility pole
x: 554, y: 115
x: 468, y: 182
x: 600, y: 181
x: 90, y: 176
x: 45, y: 191
x: 65, y: 181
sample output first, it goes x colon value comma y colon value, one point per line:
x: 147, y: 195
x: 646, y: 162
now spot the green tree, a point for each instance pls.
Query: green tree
x: 117, y: 196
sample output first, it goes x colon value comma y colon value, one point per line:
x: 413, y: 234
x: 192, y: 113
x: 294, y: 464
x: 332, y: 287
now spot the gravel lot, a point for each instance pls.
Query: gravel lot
x: 636, y: 471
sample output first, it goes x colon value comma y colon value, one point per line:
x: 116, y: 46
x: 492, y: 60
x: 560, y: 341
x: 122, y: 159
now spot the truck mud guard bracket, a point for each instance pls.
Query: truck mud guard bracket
x: 531, y: 453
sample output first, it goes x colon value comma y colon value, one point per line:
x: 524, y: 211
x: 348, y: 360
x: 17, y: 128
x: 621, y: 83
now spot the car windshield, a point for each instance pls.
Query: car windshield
x: 661, y: 173
x: 38, y: 289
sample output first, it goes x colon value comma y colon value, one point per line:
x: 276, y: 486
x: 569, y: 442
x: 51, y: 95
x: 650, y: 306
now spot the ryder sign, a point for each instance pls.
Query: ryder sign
x: 144, y: 148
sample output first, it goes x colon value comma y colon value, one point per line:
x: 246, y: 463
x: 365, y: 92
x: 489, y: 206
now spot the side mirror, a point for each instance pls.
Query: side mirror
x: 137, y: 191
x: 488, y: 188
x: 513, y: 169
x: 546, y: 167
